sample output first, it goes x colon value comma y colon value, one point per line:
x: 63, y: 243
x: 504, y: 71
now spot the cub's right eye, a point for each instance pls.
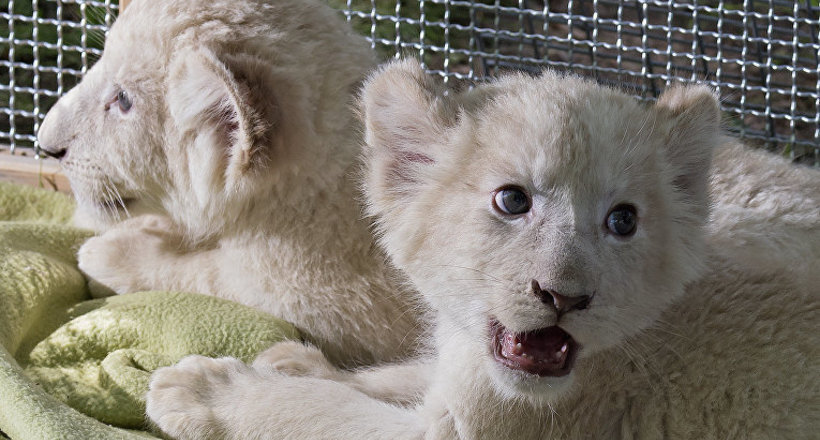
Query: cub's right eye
x: 511, y: 201
x: 120, y: 101
x: 123, y: 101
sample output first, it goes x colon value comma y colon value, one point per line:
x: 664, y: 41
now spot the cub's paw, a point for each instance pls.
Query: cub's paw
x: 183, y: 400
x: 113, y: 261
x: 297, y: 359
x: 105, y: 262
x: 149, y: 224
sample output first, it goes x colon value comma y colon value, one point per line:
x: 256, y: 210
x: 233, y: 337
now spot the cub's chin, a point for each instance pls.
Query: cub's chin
x: 537, y: 363
x: 100, y: 215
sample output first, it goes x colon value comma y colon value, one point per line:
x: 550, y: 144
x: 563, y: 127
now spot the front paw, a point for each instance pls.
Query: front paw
x: 296, y: 359
x: 182, y: 399
x: 112, y: 261
x: 104, y: 261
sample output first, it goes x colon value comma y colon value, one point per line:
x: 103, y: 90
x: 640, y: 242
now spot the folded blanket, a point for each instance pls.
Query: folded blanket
x: 75, y: 368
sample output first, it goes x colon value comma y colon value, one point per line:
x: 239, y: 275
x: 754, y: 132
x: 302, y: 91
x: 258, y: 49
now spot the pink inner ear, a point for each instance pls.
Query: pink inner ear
x: 401, y: 169
x: 232, y: 125
x: 416, y: 157
x: 225, y: 119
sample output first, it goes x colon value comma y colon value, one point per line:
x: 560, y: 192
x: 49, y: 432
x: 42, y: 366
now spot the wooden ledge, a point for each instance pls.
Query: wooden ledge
x: 41, y: 173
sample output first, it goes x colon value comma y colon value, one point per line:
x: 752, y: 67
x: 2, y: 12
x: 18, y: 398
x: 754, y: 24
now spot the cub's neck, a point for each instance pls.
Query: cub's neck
x: 464, y: 393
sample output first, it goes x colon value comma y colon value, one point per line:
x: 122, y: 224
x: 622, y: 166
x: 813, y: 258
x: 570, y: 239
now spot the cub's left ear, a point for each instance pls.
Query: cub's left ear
x: 405, y: 123
x: 229, y: 99
x: 693, y: 115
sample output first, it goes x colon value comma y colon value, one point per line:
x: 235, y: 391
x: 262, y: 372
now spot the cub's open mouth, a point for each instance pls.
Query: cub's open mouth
x: 548, y: 351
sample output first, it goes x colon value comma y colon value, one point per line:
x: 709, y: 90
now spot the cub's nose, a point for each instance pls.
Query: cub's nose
x: 55, y: 152
x: 56, y: 132
x: 562, y: 303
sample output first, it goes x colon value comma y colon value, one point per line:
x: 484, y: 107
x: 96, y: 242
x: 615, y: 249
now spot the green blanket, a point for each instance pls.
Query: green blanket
x: 75, y: 368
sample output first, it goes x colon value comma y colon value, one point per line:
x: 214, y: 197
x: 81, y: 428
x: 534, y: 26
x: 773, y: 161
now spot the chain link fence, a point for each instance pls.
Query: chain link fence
x: 762, y: 56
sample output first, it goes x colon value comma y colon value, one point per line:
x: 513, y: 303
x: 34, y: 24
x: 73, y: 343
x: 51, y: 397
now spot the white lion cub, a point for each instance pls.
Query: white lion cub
x: 557, y: 228
x: 233, y: 119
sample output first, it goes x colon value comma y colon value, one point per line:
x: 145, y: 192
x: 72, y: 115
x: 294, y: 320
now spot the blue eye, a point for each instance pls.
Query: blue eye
x: 123, y: 101
x: 622, y: 220
x: 511, y: 201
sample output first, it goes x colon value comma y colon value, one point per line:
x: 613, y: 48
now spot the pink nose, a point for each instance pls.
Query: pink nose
x: 562, y: 303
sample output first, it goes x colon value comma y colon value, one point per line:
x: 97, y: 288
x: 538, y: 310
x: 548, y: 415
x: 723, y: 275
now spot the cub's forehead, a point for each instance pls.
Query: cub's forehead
x: 140, y: 38
x: 557, y: 123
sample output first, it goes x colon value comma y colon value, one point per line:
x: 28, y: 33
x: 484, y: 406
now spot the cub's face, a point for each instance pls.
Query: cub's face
x: 108, y: 131
x: 546, y: 219
x: 209, y: 111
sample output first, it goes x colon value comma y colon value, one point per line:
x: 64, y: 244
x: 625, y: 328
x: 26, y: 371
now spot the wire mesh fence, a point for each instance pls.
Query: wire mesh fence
x: 762, y: 56
x: 45, y: 48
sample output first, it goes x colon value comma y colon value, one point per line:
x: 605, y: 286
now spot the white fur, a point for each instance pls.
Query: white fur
x: 231, y: 174
x: 686, y: 337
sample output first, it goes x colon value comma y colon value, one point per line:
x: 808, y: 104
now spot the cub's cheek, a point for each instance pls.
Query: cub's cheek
x: 595, y: 335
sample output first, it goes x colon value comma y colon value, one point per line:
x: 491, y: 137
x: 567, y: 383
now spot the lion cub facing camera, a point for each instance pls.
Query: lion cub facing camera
x: 558, y: 230
x: 213, y: 143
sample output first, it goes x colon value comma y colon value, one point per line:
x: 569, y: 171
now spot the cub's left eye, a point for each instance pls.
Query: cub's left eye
x: 622, y: 220
x: 511, y: 201
x: 124, y: 101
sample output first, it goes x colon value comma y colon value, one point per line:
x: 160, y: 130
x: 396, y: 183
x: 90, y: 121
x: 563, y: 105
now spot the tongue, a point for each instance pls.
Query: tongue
x: 543, y: 352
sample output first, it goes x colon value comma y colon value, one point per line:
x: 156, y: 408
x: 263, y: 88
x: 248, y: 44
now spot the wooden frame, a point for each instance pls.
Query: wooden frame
x: 43, y: 172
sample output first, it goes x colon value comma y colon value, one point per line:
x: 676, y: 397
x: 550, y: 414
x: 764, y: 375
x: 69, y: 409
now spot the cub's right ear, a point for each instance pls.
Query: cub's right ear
x: 404, y: 128
x: 228, y: 103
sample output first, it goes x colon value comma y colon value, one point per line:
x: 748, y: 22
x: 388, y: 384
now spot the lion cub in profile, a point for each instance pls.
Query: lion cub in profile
x: 229, y: 124
x: 558, y: 230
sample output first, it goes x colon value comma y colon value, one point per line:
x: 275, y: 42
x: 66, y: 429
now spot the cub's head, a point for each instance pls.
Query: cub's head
x: 545, y: 219
x: 214, y: 112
